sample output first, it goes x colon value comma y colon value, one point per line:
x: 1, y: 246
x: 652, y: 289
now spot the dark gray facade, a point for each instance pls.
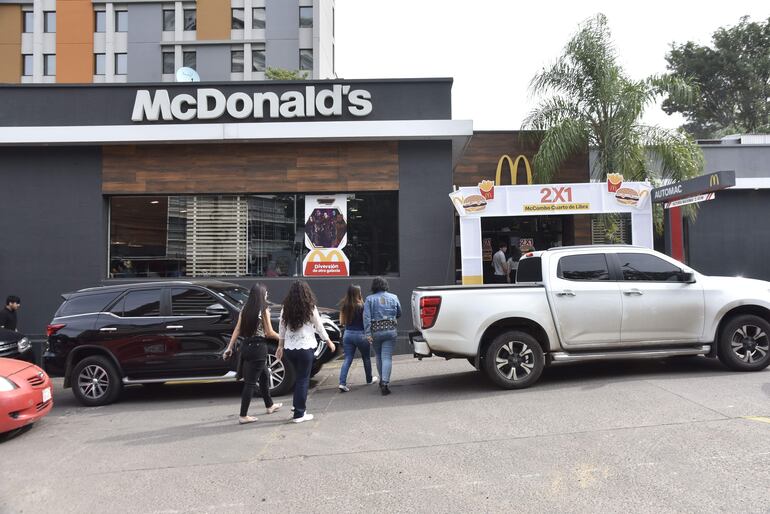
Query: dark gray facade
x: 53, y: 226
x: 282, y: 32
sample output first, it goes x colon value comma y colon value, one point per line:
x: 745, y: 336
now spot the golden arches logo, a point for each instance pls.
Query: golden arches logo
x: 326, y: 257
x: 713, y: 180
x: 513, y: 166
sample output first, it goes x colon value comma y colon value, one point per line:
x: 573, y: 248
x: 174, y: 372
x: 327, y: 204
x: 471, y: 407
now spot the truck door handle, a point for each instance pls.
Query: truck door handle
x: 108, y: 329
x: 566, y: 292
x: 174, y: 326
x: 633, y: 292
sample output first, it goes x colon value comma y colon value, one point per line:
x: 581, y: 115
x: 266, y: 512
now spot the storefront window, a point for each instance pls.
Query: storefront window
x: 242, y: 235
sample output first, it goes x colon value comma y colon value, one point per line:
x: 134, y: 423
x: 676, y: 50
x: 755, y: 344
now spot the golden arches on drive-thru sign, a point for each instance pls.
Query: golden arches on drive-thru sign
x: 326, y: 257
x: 513, y: 165
x: 713, y: 180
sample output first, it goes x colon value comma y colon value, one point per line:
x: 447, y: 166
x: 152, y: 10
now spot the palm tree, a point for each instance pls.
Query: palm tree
x: 588, y: 100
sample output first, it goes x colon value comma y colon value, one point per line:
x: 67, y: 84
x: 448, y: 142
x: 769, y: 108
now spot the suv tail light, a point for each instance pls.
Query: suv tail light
x: 429, y: 307
x: 53, y: 328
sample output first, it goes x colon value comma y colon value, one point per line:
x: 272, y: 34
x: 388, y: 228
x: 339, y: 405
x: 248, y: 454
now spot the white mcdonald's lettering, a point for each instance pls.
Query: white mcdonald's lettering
x: 513, y: 166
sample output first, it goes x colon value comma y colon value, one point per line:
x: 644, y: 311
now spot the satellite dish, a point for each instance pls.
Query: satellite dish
x: 186, y: 74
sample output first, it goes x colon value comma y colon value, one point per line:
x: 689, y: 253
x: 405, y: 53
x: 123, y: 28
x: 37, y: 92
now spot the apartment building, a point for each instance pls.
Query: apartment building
x: 89, y: 41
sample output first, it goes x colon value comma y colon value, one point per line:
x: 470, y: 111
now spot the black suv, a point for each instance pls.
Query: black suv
x: 106, y: 337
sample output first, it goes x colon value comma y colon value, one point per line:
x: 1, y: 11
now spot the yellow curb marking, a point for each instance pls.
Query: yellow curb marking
x: 762, y: 419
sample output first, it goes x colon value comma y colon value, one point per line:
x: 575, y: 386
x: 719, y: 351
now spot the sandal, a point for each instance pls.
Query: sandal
x: 274, y: 408
x: 242, y: 420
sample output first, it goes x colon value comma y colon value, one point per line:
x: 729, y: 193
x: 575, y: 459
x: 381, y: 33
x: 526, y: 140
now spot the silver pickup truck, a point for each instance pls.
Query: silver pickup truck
x: 593, y: 303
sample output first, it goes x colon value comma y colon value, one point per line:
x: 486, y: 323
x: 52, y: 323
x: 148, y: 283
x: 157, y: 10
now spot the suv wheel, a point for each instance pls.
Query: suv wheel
x: 281, y: 373
x: 514, y: 360
x: 95, y: 381
x: 744, y: 344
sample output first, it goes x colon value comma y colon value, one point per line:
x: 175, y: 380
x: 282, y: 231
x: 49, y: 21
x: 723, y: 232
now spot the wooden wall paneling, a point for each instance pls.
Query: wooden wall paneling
x: 485, y: 149
x: 249, y: 168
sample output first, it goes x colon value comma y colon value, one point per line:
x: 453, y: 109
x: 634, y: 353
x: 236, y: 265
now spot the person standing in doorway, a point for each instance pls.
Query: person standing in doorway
x: 352, y: 318
x: 300, y: 322
x: 254, y: 325
x: 381, y: 312
x: 8, y: 318
x: 500, y: 264
x: 513, y: 263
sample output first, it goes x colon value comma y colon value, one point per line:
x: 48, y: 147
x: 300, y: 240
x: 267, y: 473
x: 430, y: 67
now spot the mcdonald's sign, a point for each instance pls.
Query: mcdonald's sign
x: 326, y: 263
x: 697, y: 186
x: 513, y: 166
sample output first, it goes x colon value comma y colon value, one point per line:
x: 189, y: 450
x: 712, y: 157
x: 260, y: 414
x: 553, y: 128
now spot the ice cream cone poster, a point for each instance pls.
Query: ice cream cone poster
x: 325, y: 236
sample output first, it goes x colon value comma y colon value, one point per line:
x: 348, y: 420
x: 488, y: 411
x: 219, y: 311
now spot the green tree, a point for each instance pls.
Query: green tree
x: 281, y: 74
x: 587, y: 100
x: 733, y: 75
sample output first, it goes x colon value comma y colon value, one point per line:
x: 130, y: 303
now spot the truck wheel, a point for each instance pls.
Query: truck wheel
x: 744, y: 343
x: 281, y: 373
x: 514, y: 360
x: 95, y: 381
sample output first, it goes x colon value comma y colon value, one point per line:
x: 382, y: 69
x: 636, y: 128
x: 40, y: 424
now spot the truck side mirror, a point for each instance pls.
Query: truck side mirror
x: 687, y: 277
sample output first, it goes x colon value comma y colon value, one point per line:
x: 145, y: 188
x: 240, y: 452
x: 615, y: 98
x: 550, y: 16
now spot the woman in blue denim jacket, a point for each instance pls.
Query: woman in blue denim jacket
x: 381, y: 311
x: 352, y: 318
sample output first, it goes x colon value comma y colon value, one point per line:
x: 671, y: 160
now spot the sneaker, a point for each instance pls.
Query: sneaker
x: 306, y: 417
x: 343, y: 388
x: 375, y: 379
x: 274, y: 408
x: 385, y: 390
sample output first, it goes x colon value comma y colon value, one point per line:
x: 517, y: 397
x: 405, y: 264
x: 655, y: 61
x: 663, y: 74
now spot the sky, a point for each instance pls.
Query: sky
x: 493, y: 48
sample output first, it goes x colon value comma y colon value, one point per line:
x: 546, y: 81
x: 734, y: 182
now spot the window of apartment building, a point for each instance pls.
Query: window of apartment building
x: 49, y: 21
x: 190, y: 19
x: 100, y: 21
x: 258, y: 18
x: 169, y: 19
x: 306, y: 59
x: 306, y: 17
x: 121, y: 64
x: 236, y: 61
x: 168, y: 63
x: 189, y: 59
x: 29, y: 22
x: 258, y: 58
x: 49, y: 65
x: 121, y: 21
x: 237, y: 19
x: 99, y: 64
x: 26, y: 65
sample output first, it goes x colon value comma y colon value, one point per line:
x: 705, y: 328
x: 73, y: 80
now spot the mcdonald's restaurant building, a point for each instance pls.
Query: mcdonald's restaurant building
x: 333, y: 181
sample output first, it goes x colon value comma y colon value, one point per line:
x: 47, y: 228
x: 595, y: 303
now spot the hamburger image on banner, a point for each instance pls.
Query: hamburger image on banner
x: 325, y: 236
x: 630, y: 196
x: 474, y: 203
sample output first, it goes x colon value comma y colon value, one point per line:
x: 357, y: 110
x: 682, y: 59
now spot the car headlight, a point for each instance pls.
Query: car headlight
x: 6, y: 385
x: 24, y: 344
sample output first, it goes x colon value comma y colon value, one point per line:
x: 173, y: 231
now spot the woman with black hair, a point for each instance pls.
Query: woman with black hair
x: 300, y: 322
x: 254, y: 325
x: 352, y: 318
x: 381, y: 311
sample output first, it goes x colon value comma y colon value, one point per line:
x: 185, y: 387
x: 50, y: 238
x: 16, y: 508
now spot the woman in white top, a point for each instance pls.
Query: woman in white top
x: 300, y: 322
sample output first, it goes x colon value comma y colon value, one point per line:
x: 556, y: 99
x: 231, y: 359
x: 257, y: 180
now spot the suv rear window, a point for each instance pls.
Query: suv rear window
x: 137, y: 304
x: 86, y: 304
x: 530, y: 270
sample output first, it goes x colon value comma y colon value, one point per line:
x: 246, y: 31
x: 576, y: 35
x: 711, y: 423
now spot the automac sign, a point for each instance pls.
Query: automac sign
x: 211, y: 104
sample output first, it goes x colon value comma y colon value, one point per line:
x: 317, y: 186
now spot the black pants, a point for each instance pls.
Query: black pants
x: 255, y: 365
x: 499, y: 279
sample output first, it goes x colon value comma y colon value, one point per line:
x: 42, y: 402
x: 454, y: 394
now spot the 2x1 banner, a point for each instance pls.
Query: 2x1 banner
x: 326, y: 234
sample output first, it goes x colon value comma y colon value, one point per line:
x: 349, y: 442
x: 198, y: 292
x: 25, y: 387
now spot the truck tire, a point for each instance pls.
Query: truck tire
x: 96, y: 381
x: 514, y: 360
x: 744, y: 343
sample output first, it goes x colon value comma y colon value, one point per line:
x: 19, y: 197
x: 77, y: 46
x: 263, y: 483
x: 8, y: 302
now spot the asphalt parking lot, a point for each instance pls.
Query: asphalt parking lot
x: 647, y: 436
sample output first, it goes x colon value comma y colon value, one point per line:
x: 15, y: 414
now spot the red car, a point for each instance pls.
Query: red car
x: 25, y: 394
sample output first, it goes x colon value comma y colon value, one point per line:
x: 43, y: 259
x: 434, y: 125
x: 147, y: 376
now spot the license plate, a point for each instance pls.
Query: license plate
x: 46, y: 394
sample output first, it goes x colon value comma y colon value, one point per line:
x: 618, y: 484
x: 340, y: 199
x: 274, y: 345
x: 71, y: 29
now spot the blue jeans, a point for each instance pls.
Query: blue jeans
x: 384, y: 342
x: 302, y: 360
x: 352, y: 340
